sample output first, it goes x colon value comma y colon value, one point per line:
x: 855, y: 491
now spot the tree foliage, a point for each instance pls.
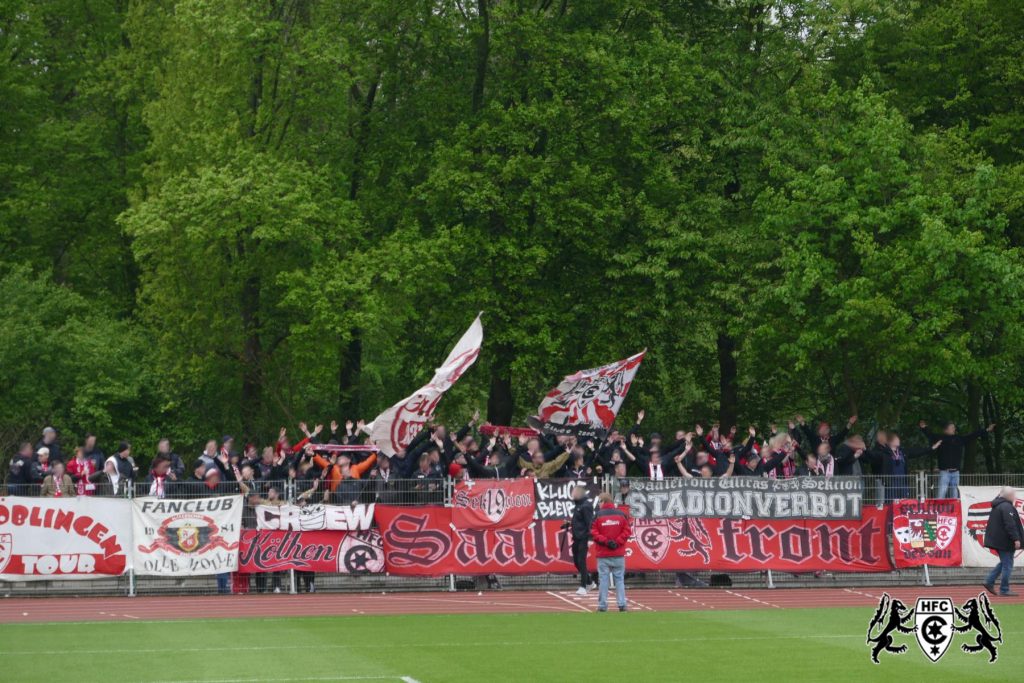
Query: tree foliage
x: 223, y: 215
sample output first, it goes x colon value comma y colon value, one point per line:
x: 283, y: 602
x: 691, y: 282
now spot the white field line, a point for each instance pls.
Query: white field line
x: 747, y: 597
x: 502, y: 643
x: 285, y: 680
x: 568, y: 601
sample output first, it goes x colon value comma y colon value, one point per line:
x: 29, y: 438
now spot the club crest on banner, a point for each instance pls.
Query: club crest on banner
x: 977, y: 521
x: 924, y: 533
x: 361, y: 553
x: 188, y: 537
x: 652, y: 539
x: 188, y: 533
x: 6, y: 550
x: 657, y: 539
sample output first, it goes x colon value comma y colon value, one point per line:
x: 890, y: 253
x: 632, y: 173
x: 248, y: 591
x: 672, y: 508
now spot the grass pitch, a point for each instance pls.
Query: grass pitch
x: 757, y: 645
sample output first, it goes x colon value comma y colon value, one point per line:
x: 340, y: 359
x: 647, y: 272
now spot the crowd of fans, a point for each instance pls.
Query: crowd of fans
x: 340, y: 467
x: 312, y: 470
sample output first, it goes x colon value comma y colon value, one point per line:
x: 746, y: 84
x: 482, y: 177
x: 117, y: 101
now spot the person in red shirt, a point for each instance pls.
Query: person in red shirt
x: 610, y: 531
x: 80, y: 468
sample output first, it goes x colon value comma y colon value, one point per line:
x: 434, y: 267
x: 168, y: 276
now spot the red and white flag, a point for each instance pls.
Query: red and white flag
x: 398, y: 425
x: 585, y: 404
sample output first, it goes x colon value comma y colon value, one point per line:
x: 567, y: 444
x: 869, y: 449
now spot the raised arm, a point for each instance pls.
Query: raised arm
x: 979, y: 433
x: 362, y: 468
x: 929, y: 435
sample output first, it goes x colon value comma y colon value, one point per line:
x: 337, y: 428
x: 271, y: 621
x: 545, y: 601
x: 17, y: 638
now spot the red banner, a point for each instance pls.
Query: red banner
x: 488, y: 504
x: 421, y: 541
x: 927, y: 532
x: 342, y: 552
x: 753, y: 545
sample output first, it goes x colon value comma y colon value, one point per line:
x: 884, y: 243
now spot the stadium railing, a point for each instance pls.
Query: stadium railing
x: 877, y: 490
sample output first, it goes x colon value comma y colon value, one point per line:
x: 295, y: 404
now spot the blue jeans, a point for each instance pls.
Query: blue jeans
x: 614, y: 566
x: 224, y: 583
x: 949, y: 481
x: 1005, y: 566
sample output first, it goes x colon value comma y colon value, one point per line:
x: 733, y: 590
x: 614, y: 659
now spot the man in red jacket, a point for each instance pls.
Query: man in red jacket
x: 610, y: 532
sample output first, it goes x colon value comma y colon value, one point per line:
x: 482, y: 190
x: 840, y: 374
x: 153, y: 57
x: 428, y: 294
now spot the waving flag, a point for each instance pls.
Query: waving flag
x: 585, y: 404
x: 395, y: 427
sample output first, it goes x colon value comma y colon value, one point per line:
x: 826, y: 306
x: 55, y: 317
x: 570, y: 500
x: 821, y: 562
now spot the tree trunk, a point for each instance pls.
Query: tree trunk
x: 973, y: 422
x: 483, y: 50
x: 252, y: 357
x: 993, y: 448
x: 500, y: 403
x: 349, y: 370
x: 728, y: 392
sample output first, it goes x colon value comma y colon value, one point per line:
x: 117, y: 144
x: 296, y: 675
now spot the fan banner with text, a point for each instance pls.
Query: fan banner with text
x: 554, y: 496
x: 63, y: 538
x: 926, y: 532
x: 341, y: 552
x: 747, y: 498
x: 186, y: 537
x: 423, y: 542
x: 493, y: 504
x: 315, y: 517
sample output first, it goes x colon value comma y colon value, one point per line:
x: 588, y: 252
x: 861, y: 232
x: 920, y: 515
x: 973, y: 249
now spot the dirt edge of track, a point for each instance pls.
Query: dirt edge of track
x: 153, y: 608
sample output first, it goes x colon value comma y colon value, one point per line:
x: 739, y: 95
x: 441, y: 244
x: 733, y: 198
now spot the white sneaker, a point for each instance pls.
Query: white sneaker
x: 592, y: 587
x: 581, y: 591
x: 277, y: 590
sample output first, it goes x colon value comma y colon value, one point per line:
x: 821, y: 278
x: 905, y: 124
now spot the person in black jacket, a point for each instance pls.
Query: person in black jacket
x: 582, y: 520
x: 125, y: 463
x: 894, y: 464
x: 52, y: 444
x: 163, y: 448
x: 19, y: 477
x: 950, y: 450
x: 493, y: 469
x: 812, y: 439
x: 94, y: 452
x: 851, y: 457
x: 1003, y: 534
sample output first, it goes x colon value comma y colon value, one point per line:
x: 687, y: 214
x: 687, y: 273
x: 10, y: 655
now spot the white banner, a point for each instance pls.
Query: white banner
x: 186, y: 537
x: 398, y: 425
x: 585, y: 404
x: 63, y: 538
x: 976, y: 503
x: 314, y: 517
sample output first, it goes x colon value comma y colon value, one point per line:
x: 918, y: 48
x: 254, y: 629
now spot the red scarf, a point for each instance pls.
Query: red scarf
x: 788, y: 467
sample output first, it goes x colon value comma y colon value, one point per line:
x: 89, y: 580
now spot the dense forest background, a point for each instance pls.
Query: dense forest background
x: 220, y: 216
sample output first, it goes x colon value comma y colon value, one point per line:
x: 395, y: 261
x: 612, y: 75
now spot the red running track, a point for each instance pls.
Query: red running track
x: 23, y: 610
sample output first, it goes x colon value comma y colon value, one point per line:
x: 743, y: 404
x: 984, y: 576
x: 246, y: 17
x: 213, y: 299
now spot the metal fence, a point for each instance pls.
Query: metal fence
x: 878, y: 490
x: 369, y: 490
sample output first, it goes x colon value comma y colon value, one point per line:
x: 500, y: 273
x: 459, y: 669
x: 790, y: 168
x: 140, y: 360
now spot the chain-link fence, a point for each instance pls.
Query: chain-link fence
x: 877, y: 491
